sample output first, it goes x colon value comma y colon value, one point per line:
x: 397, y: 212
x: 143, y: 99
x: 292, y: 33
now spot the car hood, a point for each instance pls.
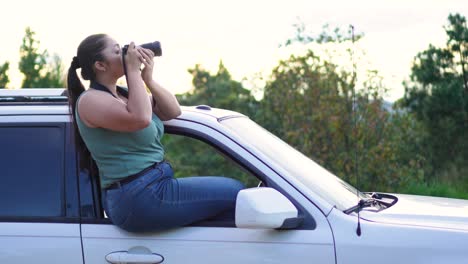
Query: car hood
x: 423, y: 211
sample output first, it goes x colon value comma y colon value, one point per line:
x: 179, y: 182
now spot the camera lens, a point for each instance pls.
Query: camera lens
x: 155, y: 47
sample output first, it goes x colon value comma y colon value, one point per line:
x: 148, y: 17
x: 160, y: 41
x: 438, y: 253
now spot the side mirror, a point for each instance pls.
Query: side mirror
x: 265, y: 208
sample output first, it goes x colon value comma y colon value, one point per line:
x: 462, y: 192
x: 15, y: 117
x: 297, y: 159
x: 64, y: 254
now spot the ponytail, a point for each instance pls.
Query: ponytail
x: 75, y: 88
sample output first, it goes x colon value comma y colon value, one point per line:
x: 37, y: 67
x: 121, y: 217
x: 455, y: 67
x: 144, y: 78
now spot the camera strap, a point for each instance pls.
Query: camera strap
x: 124, y: 68
x: 120, y: 90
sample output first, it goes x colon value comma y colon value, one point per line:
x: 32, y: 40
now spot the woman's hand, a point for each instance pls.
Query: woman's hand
x: 133, y: 58
x: 147, y: 72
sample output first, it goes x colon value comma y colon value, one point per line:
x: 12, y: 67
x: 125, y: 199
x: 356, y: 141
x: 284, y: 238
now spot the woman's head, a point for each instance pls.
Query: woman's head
x: 98, y: 54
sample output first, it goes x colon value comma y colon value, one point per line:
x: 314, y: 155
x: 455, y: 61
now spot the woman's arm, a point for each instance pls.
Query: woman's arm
x: 165, y: 104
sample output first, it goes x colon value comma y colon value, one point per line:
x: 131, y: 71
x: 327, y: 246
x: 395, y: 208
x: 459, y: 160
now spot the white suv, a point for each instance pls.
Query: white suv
x: 50, y: 211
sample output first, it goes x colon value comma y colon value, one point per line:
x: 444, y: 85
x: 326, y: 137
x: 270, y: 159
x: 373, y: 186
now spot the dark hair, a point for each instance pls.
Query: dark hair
x: 89, y: 51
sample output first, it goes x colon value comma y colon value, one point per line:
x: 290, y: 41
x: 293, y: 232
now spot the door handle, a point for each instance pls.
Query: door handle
x: 123, y: 257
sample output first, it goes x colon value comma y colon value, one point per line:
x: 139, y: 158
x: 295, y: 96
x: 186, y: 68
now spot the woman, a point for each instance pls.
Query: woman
x: 123, y: 136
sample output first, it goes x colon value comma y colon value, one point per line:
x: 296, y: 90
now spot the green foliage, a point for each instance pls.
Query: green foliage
x: 4, y: 79
x: 337, y: 35
x: 437, y: 189
x: 219, y: 90
x: 54, y: 76
x: 39, y: 69
x: 438, y: 97
x: 191, y: 157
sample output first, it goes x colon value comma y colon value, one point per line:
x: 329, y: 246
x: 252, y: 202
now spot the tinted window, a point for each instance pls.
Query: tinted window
x: 31, y: 171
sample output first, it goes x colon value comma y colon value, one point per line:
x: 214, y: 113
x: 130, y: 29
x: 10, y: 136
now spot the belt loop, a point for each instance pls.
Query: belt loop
x: 156, y: 164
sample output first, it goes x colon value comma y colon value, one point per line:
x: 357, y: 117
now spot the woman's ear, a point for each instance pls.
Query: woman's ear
x: 100, y: 66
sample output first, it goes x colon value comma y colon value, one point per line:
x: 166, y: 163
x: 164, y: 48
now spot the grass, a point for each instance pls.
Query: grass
x: 439, y: 190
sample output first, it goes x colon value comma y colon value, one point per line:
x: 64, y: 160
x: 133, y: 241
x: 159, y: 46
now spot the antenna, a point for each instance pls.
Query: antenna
x: 354, y: 112
x: 465, y: 81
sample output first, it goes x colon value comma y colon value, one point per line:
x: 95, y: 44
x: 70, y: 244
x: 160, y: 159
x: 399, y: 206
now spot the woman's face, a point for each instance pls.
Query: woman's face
x: 112, y: 54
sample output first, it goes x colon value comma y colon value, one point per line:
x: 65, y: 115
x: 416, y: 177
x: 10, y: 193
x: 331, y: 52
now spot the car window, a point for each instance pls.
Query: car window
x: 193, y: 157
x: 32, y: 169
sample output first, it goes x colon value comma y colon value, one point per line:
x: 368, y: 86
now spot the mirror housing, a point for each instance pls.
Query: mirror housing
x: 265, y: 208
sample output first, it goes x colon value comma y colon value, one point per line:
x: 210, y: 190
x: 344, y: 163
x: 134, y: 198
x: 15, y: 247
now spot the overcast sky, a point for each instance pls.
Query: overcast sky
x: 245, y: 34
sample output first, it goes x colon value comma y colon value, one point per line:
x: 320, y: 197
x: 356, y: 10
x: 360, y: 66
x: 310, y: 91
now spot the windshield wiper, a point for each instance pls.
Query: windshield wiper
x: 375, y: 200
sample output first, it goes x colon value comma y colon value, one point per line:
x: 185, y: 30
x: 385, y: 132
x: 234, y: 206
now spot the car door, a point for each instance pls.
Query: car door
x: 39, y: 220
x: 215, y: 242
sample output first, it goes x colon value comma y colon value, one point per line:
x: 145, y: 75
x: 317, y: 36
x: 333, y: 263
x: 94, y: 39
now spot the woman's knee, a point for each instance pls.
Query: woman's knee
x: 236, y: 184
x: 233, y: 186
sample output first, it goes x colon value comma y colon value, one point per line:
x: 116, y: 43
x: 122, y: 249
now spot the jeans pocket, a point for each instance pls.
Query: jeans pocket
x: 126, y: 222
x: 119, y: 206
x: 113, y: 198
x: 157, y: 174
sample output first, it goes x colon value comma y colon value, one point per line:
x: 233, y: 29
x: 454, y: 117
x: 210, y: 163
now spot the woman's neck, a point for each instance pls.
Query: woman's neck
x: 110, y: 84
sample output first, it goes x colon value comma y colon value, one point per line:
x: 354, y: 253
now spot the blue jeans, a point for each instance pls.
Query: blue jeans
x: 156, y: 200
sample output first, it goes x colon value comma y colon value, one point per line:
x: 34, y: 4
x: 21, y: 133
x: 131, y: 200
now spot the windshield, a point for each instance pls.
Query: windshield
x: 331, y: 188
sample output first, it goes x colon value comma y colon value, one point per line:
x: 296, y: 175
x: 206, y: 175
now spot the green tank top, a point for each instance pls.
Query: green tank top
x: 121, y: 154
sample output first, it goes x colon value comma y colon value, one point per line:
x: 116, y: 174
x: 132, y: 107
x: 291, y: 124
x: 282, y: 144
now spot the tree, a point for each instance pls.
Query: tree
x: 438, y: 97
x: 54, y: 77
x: 4, y: 80
x: 39, y: 69
x: 219, y: 90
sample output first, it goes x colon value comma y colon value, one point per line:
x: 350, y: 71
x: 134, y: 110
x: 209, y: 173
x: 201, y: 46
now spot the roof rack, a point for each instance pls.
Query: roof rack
x: 33, y: 96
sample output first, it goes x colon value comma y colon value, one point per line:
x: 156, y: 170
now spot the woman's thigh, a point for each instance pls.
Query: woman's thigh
x: 179, y: 202
x: 158, y: 200
x: 193, y: 189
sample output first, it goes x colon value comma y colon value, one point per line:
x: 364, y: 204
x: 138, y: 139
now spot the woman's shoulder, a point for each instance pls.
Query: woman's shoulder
x: 90, y: 102
x: 92, y: 95
x: 82, y: 104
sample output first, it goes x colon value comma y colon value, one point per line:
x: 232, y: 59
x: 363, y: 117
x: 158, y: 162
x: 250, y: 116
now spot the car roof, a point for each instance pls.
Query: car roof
x: 32, y: 92
x: 53, y: 101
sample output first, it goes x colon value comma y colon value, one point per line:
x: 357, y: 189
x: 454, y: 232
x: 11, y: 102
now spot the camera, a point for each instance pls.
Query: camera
x: 155, y: 47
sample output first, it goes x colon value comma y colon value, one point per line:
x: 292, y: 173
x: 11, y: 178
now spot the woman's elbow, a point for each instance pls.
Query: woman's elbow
x: 177, y: 112
x: 140, y: 123
x: 169, y: 116
x: 146, y: 121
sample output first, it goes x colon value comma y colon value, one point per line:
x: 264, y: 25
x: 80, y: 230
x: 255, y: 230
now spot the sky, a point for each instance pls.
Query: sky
x: 244, y: 34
